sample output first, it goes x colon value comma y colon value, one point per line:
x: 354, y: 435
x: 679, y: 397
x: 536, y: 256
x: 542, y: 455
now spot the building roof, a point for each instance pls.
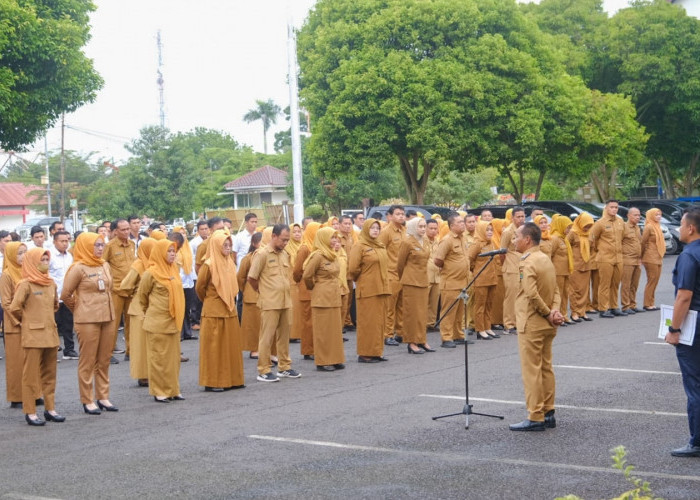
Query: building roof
x: 266, y: 177
x: 14, y: 194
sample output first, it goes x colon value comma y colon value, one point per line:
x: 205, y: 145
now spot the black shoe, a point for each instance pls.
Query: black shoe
x: 191, y: 337
x: 653, y: 308
x: 549, y: 421
x: 158, y: 400
x: 417, y: 351
x: 234, y: 387
x: 213, y: 389
x: 586, y: 318
x: 511, y: 331
x: 638, y: 310
x: 569, y: 323
x: 607, y: 314
x: 577, y: 320
x: 36, y: 422
x: 345, y: 339
x: 39, y: 402
x: 339, y: 366
x: 179, y: 397
x: 390, y: 341
x: 381, y: 358
x: 295, y: 341
x: 113, y: 361
x: 95, y: 411
x: 426, y: 348
x: 398, y: 338
x: 629, y: 311
x: 497, y: 327
x: 460, y: 341
x: 367, y: 359
x: 448, y: 344
x: 486, y: 336
x: 325, y: 368
x: 686, y: 451
x: 54, y: 418
x: 127, y: 357
x: 16, y: 404
x: 527, y: 425
x: 143, y: 382
x: 618, y: 312
x: 593, y: 311
x: 70, y: 355
x: 309, y: 357
x: 564, y: 324
x: 105, y: 407
x: 493, y: 335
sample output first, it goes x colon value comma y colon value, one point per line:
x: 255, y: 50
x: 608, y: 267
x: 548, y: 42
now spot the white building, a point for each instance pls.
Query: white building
x: 15, y: 204
x: 266, y: 185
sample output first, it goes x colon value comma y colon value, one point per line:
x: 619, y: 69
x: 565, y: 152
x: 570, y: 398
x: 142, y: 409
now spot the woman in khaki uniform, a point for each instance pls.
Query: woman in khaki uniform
x: 368, y: 266
x: 485, y: 285
x: 11, y: 275
x: 138, y: 362
x: 292, y: 249
x: 307, y: 329
x: 500, y: 291
x: 163, y: 303
x: 563, y: 260
x: 321, y: 276
x: 653, y: 251
x: 250, y: 324
x: 33, y: 305
x: 86, y: 292
x: 546, y: 238
x: 220, y: 343
x: 412, y: 266
x: 580, y: 278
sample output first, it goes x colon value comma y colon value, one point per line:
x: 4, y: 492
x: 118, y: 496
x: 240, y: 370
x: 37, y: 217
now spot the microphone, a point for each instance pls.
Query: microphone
x: 500, y: 251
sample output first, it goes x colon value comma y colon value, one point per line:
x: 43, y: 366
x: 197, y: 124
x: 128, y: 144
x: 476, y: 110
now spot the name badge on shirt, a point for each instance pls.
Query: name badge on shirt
x: 117, y: 253
x: 101, y: 285
x: 38, y: 293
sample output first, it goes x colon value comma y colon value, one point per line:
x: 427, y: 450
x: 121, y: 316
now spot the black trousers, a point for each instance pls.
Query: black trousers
x: 190, y: 297
x: 195, y: 310
x: 64, y: 323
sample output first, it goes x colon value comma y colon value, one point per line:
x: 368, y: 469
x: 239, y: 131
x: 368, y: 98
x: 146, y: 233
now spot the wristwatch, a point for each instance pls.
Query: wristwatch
x: 673, y: 330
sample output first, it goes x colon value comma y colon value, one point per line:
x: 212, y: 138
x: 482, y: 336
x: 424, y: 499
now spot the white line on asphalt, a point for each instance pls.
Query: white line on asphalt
x: 657, y: 343
x: 13, y: 495
x: 570, y: 407
x: 452, y: 456
x: 602, y: 368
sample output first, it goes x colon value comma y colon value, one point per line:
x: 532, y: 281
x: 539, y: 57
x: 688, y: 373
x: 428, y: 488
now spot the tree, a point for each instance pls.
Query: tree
x: 43, y: 71
x: 267, y: 112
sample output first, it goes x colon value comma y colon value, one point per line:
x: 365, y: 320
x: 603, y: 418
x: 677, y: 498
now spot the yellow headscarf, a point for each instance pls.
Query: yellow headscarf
x: 185, y: 252
x: 310, y: 235
x: 322, y: 244
x: 330, y: 221
x: 143, y: 253
x: 266, y: 236
x: 223, y: 270
x: 30, y: 272
x: 436, y: 217
x: 84, y: 250
x: 9, y: 264
x: 444, y: 229
x: 545, y: 233
x: 509, y: 217
x: 498, y: 225
x: 367, y: 240
x: 158, y: 235
x: 580, y: 222
x: 293, y: 246
x: 480, y: 232
x: 656, y: 227
x: 168, y: 275
x: 559, y: 225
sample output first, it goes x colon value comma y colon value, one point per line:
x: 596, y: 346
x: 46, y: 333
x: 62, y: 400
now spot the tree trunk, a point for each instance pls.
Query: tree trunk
x: 690, y: 180
x: 517, y: 192
x: 410, y: 170
x: 666, y: 177
x: 540, y: 180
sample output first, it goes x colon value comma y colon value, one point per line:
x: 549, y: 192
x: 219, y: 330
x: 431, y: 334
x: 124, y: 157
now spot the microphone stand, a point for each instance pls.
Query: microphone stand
x: 463, y: 296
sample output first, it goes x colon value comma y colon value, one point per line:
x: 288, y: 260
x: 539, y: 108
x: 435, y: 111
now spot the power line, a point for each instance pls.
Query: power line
x: 102, y: 135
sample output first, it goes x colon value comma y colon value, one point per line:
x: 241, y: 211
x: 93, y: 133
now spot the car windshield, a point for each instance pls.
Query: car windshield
x: 589, y: 207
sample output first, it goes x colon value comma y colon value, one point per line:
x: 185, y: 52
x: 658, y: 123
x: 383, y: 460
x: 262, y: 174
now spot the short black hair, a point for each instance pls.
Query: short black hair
x: 517, y: 209
x: 254, y: 240
x: 116, y: 222
x: 692, y: 215
x: 54, y: 224
x: 278, y: 228
x: 344, y: 217
x: 355, y: 215
x: 214, y: 221
x: 411, y: 213
x: 611, y: 200
x: 201, y: 223
x: 154, y: 225
x: 307, y: 218
x: 176, y: 237
x: 60, y: 233
x: 533, y: 231
x: 451, y: 217
x: 431, y: 221
x: 376, y: 215
x: 35, y: 229
x: 4, y: 234
x: 76, y: 234
x: 393, y: 208
x: 226, y: 219
x: 133, y: 217
x: 249, y: 216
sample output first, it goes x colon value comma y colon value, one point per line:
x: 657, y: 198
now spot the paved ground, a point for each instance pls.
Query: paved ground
x: 367, y: 431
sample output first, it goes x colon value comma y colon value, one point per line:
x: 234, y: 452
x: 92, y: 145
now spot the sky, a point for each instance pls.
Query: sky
x: 219, y: 57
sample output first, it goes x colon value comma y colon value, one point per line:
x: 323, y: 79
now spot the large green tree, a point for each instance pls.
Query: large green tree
x: 43, y: 71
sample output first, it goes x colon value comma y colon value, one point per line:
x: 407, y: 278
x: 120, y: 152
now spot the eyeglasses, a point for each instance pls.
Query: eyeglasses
x: 99, y: 245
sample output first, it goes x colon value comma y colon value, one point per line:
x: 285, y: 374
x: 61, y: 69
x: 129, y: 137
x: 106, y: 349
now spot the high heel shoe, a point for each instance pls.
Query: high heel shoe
x: 94, y: 411
x: 32, y: 421
x: 105, y: 407
x: 492, y: 334
x: 426, y: 348
x: 179, y: 397
x: 485, y: 336
x: 417, y: 351
x: 158, y: 400
x: 54, y: 418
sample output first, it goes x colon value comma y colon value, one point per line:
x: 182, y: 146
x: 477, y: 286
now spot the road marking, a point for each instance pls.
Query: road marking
x: 657, y: 343
x: 569, y: 407
x: 452, y: 456
x: 13, y: 495
x: 629, y: 370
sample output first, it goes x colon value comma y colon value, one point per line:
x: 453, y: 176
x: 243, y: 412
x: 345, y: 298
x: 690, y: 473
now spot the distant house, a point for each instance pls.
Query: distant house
x: 266, y: 185
x: 15, y: 201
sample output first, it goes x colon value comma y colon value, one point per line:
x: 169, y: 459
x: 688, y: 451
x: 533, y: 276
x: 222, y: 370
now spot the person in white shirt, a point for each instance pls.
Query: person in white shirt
x: 61, y: 260
x: 202, y: 234
x: 241, y: 243
x: 38, y: 236
x: 53, y: 229
x: 357, y: 220
x: 135, y: 230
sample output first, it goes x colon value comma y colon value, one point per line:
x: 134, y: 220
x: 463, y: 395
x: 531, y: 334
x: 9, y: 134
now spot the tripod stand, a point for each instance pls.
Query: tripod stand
x: 464, y: 297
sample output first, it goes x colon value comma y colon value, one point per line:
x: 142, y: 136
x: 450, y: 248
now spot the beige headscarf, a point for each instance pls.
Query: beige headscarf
x: 412, y: 228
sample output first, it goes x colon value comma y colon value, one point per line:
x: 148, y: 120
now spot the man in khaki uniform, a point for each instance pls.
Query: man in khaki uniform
x: 120, y: 253
x: 470, y: 238
x: 269, y: 276
x: 606, y: 239
x: 391, y: 236
x: 346, y: 240
x: 537, y: 318
x: 451, y: 258
x: 631, y: 255
x: 510, y: 270
x: 431, y: 234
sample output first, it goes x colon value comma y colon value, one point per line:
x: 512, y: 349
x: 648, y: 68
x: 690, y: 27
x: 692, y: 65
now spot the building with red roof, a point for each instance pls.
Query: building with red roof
x: 16, y: 200
x: 266, y: 185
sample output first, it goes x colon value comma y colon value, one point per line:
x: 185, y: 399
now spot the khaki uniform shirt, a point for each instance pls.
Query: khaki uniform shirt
x: 412, y: 262
x: 488, y: 276
x: 83, y: 294
x: 298, y: 272
x: 650, y: 254
x: 250, y: 296
x: 391, y: 236
x: 538, y: 293
x: 130, y: 285
x: 271, y: 269
x: 7, y: 292
x: 201, y: 254
x: 512, y: 261
x: 119, y: 256
x: 212, y: 305
x: 631, y: 245
x: 560, y: 256
x: 606, y: 239
x: 33, y: 306
x: 364, y: 268
x: 155, y: 303
x: 433, y: 270
x: 455, y: 270
x: 321, y: 276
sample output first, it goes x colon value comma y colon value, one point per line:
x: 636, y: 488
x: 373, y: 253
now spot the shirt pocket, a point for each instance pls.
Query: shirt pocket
x: 35, y: 325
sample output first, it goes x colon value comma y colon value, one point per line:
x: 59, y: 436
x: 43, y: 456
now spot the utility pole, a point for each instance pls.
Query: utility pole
x: 160, y: 81
x: 296, y: 135
x: 48, y: 178
x: 62, y: 208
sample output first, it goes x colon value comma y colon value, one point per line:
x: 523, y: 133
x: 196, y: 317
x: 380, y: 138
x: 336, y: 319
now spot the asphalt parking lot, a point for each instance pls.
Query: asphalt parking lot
x: 367, y: 431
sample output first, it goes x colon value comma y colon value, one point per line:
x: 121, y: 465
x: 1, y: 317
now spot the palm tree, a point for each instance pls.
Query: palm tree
x: 267, y: 111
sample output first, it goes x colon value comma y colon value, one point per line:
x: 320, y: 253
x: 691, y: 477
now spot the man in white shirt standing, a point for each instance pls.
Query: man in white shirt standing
x: 357, y: 220
x: 38, y: 236
x: 61, y: 260
x: 202, y: 234
x: 135, y: 230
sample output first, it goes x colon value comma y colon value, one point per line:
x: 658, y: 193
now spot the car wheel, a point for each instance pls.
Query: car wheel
x: 675, y: 246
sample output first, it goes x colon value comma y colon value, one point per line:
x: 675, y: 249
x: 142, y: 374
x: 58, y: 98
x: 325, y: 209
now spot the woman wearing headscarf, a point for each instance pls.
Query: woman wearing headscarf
x: 412, y: 266
x: 138, y: 362
x: 11, y: 276
x: 250, y: 324
x: 34, y: 305
x: 86, y: 292
x: 653, y: 251
x: 500, y: 291
x: 563, y: 260
x: 307, y: 330
x: 220, y: 343
x: 163, y: 303
x: 484, y: 287
x: 321, y: 276
x: 580, y: 277
x: 292, y: 249
x: 368, y: 266
x: 545, y: 239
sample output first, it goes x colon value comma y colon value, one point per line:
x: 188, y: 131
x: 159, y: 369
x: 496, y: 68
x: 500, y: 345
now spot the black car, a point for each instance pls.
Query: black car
x: 569, y: 208
x: 499, y: 211
x: 379, y: 212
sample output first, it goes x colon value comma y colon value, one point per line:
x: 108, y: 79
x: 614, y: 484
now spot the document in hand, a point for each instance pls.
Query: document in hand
x: 687, y: 328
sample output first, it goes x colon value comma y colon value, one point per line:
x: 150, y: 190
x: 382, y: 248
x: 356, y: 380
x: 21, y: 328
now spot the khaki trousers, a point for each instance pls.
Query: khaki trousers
x: 39, y: 376
x: 96, y: 342
x: 307, y: 332
x: 609, y: 288
x: 653, y: 274
x: 592, y: 301
x: 451, y: 323
x: 433, y: 301
x: 483, y: 298
x: 275, y: 325
x: 121, y: 306
x: 497, y: 302
x: 511, y: 282
x: 394, y: 314
x: 347, y: 305
x: 563, y: 286
x: 14, y: 362
x: 536, y: 366
x: 579, y: 289
x: 630, y: 283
